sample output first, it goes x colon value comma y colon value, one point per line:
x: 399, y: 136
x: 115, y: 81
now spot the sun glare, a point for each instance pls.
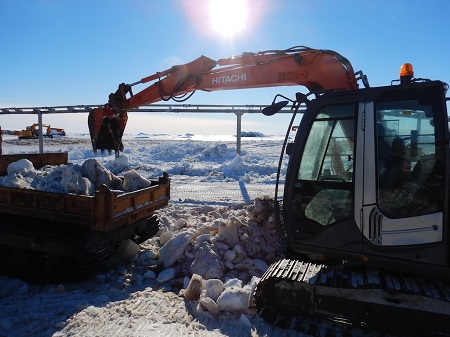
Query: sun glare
x: 228, y: 17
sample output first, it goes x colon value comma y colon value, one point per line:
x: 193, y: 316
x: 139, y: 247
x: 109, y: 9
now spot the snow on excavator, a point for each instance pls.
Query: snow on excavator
x: 365, y: 206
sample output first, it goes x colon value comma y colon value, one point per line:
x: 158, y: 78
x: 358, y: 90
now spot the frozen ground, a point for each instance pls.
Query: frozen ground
x: 213, y: 192
x: 210, y: 185
x: 209, y: 163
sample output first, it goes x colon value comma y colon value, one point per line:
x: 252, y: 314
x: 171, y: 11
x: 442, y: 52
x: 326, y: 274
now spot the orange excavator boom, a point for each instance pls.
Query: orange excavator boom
x: 316, y: 69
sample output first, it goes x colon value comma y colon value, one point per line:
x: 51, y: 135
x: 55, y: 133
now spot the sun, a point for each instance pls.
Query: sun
x: 228, y: 18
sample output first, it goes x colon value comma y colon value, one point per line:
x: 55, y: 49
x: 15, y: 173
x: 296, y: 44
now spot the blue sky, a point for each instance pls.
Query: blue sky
x: 70, y: 52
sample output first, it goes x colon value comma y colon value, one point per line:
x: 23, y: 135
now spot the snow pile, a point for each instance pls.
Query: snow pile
x: 251, y: 134
x: 232, y: 231
x: 216, y: 254
x: 77, y: 179
x: 210, y: 255
x: 206, y: 161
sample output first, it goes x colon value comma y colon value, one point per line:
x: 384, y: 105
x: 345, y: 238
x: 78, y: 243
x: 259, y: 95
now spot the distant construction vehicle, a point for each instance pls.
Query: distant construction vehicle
x: 57, y: 131
x: 32, y: 132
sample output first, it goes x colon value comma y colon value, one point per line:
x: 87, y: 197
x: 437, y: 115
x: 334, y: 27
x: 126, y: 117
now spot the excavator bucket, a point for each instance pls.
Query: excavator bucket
x: 106, y: 128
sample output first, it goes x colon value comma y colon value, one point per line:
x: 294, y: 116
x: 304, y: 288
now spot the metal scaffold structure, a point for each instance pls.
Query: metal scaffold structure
x: 238, y: 110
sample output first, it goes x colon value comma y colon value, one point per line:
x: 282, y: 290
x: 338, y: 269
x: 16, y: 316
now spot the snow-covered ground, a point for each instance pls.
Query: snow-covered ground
x: 209, y: 163
x: 196, y: 275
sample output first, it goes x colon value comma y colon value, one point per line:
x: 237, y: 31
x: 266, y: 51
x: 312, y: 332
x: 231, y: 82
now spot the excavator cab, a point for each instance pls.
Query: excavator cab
x: 367, y: 178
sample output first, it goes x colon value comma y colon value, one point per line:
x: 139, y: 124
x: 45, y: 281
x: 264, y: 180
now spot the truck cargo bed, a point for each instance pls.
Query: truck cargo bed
x: 85, y: 230
x: 104, y: 211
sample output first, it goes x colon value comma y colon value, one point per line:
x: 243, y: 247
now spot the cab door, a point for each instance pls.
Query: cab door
x: 402, y: 172
x: 319, y: 191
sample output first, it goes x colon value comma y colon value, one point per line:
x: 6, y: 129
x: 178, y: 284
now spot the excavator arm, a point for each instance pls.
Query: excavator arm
x: 313, y: 68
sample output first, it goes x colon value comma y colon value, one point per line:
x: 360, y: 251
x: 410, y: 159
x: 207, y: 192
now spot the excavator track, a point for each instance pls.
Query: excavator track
x: 297, y: 295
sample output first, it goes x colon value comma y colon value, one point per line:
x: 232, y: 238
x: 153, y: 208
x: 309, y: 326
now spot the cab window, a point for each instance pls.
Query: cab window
x: 410, y: 168
x: 324, y: 185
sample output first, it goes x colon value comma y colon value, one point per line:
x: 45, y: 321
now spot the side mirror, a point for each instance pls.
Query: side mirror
x: 274, y: 108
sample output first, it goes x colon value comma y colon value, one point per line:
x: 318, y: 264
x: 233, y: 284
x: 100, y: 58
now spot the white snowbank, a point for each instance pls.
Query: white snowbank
x: 233, y: 233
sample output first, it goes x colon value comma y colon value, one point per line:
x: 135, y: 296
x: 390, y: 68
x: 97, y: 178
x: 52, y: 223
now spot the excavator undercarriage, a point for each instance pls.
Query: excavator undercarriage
x: 291, y: 291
